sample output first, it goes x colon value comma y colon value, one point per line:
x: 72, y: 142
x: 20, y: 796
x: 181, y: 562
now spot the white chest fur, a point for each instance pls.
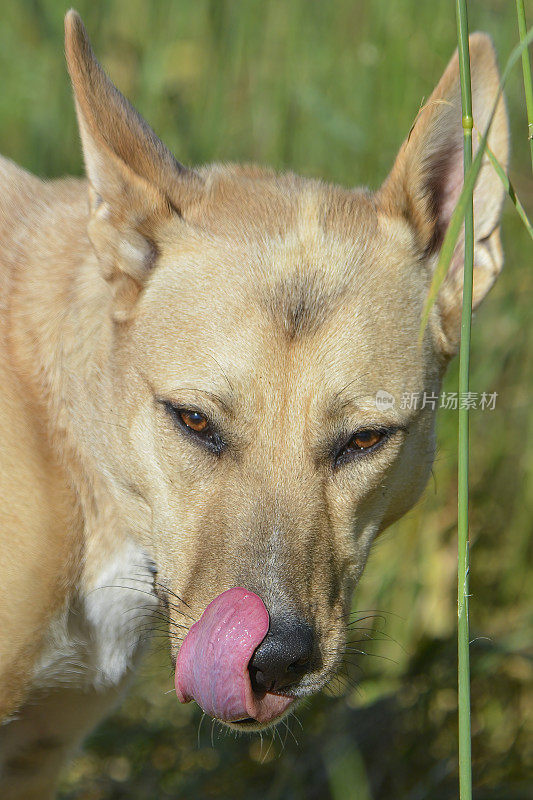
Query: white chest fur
x: 94, y: 641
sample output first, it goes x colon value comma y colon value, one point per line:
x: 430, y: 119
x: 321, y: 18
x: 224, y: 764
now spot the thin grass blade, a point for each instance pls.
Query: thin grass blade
x: 463, y: 637
x: 509, y: 188
x: 526, y: 69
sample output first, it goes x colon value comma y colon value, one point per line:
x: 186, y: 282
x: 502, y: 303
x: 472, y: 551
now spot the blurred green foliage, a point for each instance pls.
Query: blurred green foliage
x: 328, y: 89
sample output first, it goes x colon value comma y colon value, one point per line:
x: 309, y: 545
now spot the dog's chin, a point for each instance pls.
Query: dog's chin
x: 249, y: 725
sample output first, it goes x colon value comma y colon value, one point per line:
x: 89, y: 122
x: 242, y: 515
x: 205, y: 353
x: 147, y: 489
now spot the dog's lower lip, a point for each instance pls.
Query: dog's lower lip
x: 251, y: 720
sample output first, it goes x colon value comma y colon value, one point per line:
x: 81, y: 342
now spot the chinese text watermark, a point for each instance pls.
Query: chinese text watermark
x: 451, y: 401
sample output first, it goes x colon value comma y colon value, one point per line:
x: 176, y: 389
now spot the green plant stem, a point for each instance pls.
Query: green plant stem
x: 465, y: 754
x: 526, y: 68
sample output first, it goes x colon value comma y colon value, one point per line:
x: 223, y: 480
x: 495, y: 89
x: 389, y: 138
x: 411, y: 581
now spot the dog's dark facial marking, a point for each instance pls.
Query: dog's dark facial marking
x: 301, y: 302
x: 311, y: 292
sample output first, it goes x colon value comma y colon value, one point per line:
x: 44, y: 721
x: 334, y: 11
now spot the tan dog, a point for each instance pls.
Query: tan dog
x: 189, y: 368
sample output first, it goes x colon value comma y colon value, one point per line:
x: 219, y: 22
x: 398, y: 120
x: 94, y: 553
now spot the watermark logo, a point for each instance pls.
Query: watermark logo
x: 383, y: 400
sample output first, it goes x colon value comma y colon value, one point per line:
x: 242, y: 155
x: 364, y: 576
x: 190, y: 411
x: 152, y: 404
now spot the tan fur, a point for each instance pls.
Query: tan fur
x: 279, y: 306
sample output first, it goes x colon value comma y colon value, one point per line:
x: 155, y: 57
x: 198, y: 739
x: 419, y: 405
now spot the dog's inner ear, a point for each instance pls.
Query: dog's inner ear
x: 427, y: 178
x: 135, y: 183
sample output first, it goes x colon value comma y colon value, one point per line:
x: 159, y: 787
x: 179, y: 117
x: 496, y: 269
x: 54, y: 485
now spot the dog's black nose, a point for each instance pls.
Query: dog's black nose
x: 283, y: 656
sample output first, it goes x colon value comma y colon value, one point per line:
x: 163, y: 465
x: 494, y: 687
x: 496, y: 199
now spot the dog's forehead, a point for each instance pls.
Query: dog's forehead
x: 330, y: 276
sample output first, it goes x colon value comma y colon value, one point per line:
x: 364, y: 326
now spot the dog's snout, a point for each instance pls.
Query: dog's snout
x: 283, y: 656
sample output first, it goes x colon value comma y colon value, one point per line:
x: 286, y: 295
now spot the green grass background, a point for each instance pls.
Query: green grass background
x: 328, y: 89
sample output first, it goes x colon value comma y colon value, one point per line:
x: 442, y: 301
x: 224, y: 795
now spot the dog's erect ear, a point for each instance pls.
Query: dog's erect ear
x: 135, y: 182
x: 427, y: 178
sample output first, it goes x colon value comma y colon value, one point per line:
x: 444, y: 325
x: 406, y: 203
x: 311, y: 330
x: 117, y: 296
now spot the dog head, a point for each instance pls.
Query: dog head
x: 262, y: 332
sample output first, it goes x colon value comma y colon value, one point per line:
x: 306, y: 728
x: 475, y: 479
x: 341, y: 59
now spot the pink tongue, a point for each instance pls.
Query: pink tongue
x: 212, y: 665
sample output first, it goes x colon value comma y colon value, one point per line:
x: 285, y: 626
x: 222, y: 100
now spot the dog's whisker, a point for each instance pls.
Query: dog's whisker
x: 349, y: 662
x: 268, y: 749
x: 363, y: 628
x: 286, y: 722
x: 175, y: 608
x: 224, y: 374
x: 200, y: 727
x: 378, y: 611
x: 145, y: 581
x: 282, y: 741
x: 161, y: 618
x: 286, y: 726
x: 121, y: 586
x: 173, y: 594
x: 295, y: 717
x: 351, y: 383
x: 111, y: 424
x: 350, y: 685
x: 371, y: 655
x: 377, y: 616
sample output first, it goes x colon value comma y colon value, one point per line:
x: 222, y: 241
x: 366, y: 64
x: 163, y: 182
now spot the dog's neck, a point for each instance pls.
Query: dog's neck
x: 61, y: 342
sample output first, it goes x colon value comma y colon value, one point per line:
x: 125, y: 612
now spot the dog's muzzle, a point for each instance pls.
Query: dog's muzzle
x: 213, y: 664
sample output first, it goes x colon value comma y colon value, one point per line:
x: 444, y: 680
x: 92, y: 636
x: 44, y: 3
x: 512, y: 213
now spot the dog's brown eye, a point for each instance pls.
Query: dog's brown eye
x: 361, y: 443
x: 363, y: 440
x: 193, y: 420
x: 197, y: 426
